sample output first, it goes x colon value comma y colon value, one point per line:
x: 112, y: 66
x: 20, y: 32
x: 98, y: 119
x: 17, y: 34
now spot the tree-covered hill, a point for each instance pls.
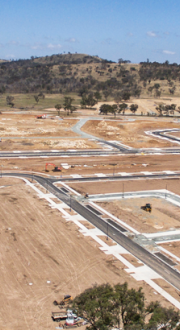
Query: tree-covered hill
x: 82, y: 74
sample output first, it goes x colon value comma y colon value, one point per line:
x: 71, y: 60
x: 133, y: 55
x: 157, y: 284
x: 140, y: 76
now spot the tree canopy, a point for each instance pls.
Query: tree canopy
x: 107, y: 306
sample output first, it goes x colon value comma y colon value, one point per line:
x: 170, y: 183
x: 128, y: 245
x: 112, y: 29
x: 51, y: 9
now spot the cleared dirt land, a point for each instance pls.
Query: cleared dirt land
x: 26, y: 132
x: 164, y: 215
x: 131, y: 133
x: 44, y: 257
x: 29, y: 125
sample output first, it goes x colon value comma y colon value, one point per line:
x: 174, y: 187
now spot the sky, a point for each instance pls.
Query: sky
x: 134, y: 30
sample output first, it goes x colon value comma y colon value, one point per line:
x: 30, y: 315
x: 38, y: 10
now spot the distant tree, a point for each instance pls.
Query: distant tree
x: 2, y: 89
x: 73, y: 109
x: 137, y: 92
x: 126, y: 96
x: 41, y: 94
x: 172, y: 90
x: 122, y: 107
x: 97, y: 96
x: 156, y: 86
x: 36, y: 97
x: 58, y: 108
x: 106, y: 93
x: 114, y: 109
x: 118, y: 97
x: 68, y: 103
x: 134, y: 107
x: 9, y: 100
x: 157, y: 93
x: 105, y: 108
x: 160, y: 109
x: 150, y: 89
x: 88, y: 100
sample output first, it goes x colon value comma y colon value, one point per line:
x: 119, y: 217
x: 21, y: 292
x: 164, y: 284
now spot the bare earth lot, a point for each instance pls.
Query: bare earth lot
x: 25, y: 132
x: 164, y: 215
x: 131, y: 133
x: 29, y: 125
x: 46, y: 144
x: 38, y: 246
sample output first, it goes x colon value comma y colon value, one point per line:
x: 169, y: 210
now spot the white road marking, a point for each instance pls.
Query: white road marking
x: 76, y: 176
x: 100, y: 174
x: 169, y: 172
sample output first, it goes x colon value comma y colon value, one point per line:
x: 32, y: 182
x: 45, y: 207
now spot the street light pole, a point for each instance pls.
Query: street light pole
x: 107, y: 230
x: 166, y: 192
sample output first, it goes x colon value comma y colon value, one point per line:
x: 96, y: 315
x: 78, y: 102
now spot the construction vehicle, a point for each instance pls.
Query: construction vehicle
x: 147, y: 207
x: 63, y: 315
x: 55, y: 169
x: 65, y: 301
x: 41, y: 116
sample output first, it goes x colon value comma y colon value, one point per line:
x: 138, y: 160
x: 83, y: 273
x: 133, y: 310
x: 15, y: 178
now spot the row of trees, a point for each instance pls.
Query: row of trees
x: 166, y: 109
x: 117, y: 108
x: 107, y: 306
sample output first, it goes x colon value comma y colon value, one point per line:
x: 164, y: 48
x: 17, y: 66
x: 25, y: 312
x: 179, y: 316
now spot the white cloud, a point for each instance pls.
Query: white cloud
x: 46, y: 46
x: 151, y: 34
x: 71, y: 40
x: 168, y: 52
x: 54, y: 46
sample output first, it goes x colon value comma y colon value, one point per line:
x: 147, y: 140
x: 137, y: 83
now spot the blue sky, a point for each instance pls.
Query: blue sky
x: 130, y: 29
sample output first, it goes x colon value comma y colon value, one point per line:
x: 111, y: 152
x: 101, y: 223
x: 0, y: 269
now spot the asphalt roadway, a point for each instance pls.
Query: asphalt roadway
x: 163, y: 269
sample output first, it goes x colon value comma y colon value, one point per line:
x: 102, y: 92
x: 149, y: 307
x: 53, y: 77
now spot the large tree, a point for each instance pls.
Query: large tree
x: 95, y: 305
x: 107, y: 306
x: 128, y: 306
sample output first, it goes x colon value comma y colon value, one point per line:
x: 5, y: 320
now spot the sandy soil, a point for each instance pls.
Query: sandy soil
x: 38, y: 246
x: 131, y: 133
x: 164, y: 215
x: 46, y: 144
x: 29, y: 125
x: 176, y: 134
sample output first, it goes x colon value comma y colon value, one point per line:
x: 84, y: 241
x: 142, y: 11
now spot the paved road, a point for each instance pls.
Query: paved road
x: 120, y: 177
x: 168, y: 273
x: 169, y: 137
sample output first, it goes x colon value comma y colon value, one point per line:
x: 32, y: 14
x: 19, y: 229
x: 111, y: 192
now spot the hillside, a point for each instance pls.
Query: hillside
x: 82, y: 74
